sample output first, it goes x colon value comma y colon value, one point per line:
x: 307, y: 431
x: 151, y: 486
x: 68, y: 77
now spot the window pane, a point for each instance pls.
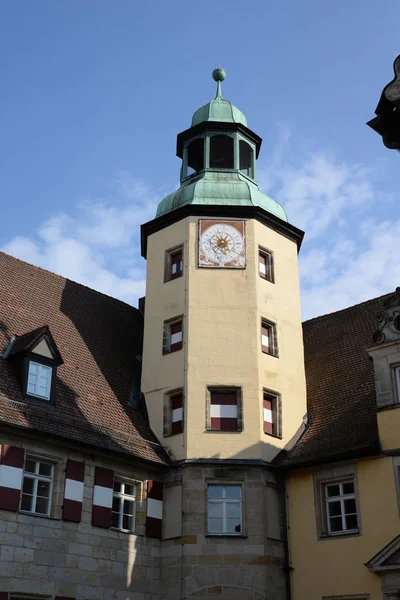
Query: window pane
x: 348, y: 488
x: 215, y: 525
x: 332, y: 490
x: 350, y: 506
x: 215, y: 510
x: 195, y: 156
x: 42, y: 506
x: 117, y: 486
x: 351, y: 522
x: 115, y: 520
x: 233, y: 491
x: 233, y: 510
x: 215, y: 491
x: 129, y: 489
x: 233, y: 526
x: 43, y: 488
x: 27, y: 487
x: 26, y: 502
x: 246, y: 157
x: 127, y: 522
x: 30, y: 466
x: 116, y: 505
x: 128, y: 507
x: 334, y: 509
x: 45, y: 469
x: 335, y: 524
x: 31, y: 387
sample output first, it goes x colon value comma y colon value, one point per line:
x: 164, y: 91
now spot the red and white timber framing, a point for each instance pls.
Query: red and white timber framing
x: 102, y: 497
x: 73, y: 494
x: 223, y: 411
x: 177, y: 413
x: 11, y: 472
x: 268, y: 415
x: 154, y: 509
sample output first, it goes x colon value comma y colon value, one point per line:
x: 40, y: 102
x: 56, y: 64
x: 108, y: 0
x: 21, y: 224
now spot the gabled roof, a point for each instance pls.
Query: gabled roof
x: 99, y: 339
x: 29, y: 341
x: 341, y: 401
x: 387, y: 559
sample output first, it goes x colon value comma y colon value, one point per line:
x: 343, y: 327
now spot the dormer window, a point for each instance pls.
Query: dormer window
x: 221, y: 152
x: 35, y: 358
x: 39, y: 380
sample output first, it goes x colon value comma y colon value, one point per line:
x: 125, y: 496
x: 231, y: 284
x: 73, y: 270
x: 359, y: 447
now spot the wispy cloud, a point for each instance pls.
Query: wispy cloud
x: 348, y: 255
x: 98, y: 243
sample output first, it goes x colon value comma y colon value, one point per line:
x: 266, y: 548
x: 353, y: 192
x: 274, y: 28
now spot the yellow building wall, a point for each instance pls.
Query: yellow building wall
x: 335, y: 566
x: 389, y: 428
x: 222, y: 341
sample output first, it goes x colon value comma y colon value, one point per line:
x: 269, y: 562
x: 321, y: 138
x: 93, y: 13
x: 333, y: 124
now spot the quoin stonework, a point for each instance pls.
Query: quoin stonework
x: 208, y: 443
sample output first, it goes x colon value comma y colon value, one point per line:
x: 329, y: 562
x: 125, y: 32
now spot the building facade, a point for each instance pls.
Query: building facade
x: 208, y: 444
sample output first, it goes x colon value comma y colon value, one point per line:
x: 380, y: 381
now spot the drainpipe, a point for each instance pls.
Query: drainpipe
x: 286, y: 567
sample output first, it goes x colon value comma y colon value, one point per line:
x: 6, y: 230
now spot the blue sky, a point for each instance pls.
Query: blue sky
x: 95, y: 91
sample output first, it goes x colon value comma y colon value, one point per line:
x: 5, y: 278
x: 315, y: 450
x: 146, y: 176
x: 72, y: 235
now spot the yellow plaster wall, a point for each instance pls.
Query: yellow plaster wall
x: 389, y: 428
x: 222, y: 341
x: 335, y: 566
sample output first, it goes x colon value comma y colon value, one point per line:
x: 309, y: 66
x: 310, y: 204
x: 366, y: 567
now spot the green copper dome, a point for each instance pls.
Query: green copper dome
x: 219, y: 161
x: 235, y: 191
x: 219, y: 110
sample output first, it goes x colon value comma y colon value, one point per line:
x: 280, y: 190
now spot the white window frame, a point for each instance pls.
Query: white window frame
x: 341, y: 498
x: 36, y: 476
x: 224, y: 501
x: 37, y: 386
x: 122, y: 496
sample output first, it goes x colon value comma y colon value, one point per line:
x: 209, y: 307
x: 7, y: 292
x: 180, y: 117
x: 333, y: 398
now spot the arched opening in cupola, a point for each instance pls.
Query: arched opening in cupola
x: 246, y: 158
x: 221, y: 152
x: 195, y: 156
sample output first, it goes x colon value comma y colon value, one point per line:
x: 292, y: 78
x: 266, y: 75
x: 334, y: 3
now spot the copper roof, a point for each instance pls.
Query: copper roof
x: 98, y: 338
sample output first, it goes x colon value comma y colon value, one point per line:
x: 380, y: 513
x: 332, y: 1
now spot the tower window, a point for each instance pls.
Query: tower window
x: 173, y: 413
x: 173, y: 263
x: 221, y: 152
x: 269, y: 343
x: 266, y: 265
x: 246, y: 158
x: 195, y: 156
x: 224, y: 409
x: 272, y: 413
x: 173, y: 336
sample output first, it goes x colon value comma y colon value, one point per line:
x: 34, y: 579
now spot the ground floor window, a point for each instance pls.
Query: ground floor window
x: 224, y: 509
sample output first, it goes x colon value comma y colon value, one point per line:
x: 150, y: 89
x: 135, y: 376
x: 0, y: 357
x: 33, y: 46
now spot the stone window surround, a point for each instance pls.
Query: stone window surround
x: 240, y: 480
x: 58, y: 483
x: 386, y: 359
x: 333, y: 474
x: 226, y: 388
x: 277, y: 412
x: 351, y: 597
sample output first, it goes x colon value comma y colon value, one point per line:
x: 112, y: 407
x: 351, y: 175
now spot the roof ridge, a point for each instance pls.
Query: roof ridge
x: 66, y: 279
x: 326, y: 315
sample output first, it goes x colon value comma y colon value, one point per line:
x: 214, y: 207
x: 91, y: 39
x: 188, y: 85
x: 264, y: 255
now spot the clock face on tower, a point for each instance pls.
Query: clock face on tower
x: 222, y: 244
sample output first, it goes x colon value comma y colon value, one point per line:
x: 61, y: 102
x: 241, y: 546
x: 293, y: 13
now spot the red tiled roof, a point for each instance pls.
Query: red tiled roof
x: 98, y: 338
x: 341, y: 401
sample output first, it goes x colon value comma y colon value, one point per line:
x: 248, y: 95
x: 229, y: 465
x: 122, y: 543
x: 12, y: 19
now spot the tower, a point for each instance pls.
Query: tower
x: 223, y: 372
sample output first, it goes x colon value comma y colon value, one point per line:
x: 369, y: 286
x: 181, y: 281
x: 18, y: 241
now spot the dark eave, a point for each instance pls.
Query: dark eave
x: 216, y: 126
x: 222, y: 211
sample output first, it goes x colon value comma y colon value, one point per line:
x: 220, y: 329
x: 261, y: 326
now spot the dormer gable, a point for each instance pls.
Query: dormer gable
x: 385, y: 353
x: 387, y: 559
x: 35, y: 358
